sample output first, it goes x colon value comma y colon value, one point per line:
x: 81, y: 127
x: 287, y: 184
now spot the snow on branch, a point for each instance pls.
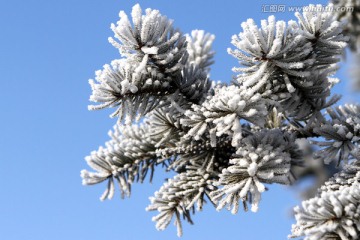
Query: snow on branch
x: 342, y: 134
x: 199, y: 49
x: 221, y: 113
x: 128, y: 156
x: 332, y: 215
x: 226, y: 142
x: 150, y: 39
x: 179, y: 195
x: 264, y: 157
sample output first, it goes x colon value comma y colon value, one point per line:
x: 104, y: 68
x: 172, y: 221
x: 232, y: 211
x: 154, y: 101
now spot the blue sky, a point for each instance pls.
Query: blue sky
x: 48, y: 51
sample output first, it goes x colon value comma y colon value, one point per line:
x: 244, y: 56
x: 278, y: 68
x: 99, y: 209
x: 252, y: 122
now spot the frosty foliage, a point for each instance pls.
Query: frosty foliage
x: 311, y: 167
x: 264, y: 157
x: 221, y: 113
x: 128, y: 156
x: 199, y: 49
x: 150, y: 39
x: 133, y: 93
x: 280, y: 60
x: 345, y: 178
x: 325, y: 35
x: 226, y: 143
x: 341, y: 132
x: 179, y: 195
x: 350, y: 15
x: 332, y: 215
x: 310, y: 97
x: 266, y: 52
x: 348, y: 175
x: 193, y: 83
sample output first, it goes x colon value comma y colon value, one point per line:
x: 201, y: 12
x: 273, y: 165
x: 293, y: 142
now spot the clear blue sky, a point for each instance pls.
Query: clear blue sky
x: 48, y: 51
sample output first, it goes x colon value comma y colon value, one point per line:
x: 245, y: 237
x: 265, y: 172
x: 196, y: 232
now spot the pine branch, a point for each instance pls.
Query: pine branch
x: 225, y: 142
x: 178, y: 196
x: 221, y: 114
x: 351, y: 17
x: 133, y: 93
x: 341, y: 132
x: 150, y: 39
x: 264, y: 157
x: 199, y: 49
x: 332, y: 215
x: 127, y: 157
